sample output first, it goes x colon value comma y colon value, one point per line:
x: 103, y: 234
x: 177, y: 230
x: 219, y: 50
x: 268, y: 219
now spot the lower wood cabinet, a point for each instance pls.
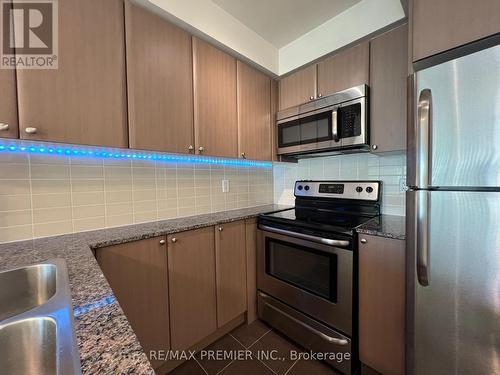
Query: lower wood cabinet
x: 230, y: 260
x: 187, y: 288
x: 137, y: 273
x: 9, y: 127
x: 192, y: 290
x: 382, y: 304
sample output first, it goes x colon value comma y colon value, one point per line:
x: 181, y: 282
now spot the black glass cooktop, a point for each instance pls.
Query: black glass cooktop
x: 314, y: 219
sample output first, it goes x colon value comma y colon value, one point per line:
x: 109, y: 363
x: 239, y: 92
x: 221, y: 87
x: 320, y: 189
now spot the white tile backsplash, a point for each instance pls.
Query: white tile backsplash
x: 49, y: 195
x: 389, y: 169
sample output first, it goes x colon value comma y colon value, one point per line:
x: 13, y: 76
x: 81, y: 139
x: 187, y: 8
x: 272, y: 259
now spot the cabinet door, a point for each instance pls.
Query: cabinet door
x: 297, y: 88
x: 8, y: 104
x: 254, y: 113
x: 388, y: 77
x: 215, y: 118
x: 230, y: 256
x: 137, y: 273
x: 159, y: 82
x: 382, y: 304
x: 191, y: 275
x: 344, y: 70
x: 441, y: 25
x: 84, y: 100
x: 251, y: 245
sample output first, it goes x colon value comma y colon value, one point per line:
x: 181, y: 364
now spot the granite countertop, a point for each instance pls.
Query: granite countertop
x: 107, y: 343
x: 389, y: 226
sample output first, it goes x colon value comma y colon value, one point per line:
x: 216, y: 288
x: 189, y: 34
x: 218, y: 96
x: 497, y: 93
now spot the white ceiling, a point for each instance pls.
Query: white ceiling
x: 282, y: 21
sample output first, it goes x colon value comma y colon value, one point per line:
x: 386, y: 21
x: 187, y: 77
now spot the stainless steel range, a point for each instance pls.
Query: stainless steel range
x: 307, y: 266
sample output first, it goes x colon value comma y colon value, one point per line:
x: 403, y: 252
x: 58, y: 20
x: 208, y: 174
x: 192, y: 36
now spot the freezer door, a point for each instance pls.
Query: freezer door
x: 454, y: 317
x: 464, y: 124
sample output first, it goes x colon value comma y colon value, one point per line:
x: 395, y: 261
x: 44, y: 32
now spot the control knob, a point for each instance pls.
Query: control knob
x: 359, y: 189
x: 306, y: 188
x: 300, y: 187
x: 369, y: 189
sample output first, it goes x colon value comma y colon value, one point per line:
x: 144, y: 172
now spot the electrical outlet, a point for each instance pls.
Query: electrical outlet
x: 402, y: 185
x: 225, y: 186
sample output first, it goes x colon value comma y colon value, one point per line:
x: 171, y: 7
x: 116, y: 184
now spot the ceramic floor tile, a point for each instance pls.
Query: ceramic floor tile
x: 281, y: 350
x: 305, y: 367
x: 247, y: 334
x: 208, y: 358
x: 188, y: 368
x: 247, y: 367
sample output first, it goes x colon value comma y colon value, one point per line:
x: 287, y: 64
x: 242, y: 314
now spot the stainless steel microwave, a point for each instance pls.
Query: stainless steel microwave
x: 333, y: 123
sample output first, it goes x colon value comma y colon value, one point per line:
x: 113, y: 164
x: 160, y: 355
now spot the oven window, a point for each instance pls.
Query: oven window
x: 308, y: 269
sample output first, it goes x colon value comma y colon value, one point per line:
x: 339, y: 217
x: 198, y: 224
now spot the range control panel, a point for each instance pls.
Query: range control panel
x: 363, y: 190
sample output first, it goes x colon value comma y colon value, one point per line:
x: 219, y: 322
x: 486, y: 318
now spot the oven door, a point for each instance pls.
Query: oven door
x: 312, y: 277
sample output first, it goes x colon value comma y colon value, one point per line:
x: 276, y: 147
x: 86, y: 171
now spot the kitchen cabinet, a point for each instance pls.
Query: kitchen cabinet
x: 344, y: 70
x: 298, y: 87
x: 388, y: 77
x: 137, y: 273
x: 8, y: 104
x: 192, y: 289
x: 274, y: 111
x: 159, y: 83
x: 438, y: 26
x: 215, y: 109
x: 254, y: 113
x: 84, y: 100
x: 382, y: 303
x: 230, y: 259
x: 251, y: 247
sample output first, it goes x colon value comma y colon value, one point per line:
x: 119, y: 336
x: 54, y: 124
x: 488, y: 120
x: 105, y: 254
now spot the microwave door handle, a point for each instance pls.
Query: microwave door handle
x: 335, y: 129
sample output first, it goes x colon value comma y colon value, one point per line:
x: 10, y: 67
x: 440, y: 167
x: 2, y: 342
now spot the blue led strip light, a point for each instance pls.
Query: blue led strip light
x: 102, y: 153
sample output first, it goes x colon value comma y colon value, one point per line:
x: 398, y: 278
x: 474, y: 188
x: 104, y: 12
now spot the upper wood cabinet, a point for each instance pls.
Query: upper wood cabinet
x: 344, y: 70
x: 254, y: 113
x: 230, y: 258
x: 382, y: 304
x: 84, y: 100
x: 441, y: 25
x: 388, y: 88
x: 192, y: 291
x: 8, y: 104
x: 298, y: 87
x: 137, y: 273
x: 159, y: 82
x: 215, y: 117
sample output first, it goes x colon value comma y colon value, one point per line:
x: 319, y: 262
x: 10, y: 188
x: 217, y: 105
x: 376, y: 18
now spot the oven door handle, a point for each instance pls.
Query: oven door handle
x: 331, y: 340
x: 325, y: 241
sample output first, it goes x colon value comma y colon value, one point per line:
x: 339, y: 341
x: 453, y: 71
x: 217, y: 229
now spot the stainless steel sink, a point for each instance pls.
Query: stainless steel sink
x: 36, y: 321
x: 25, y: 288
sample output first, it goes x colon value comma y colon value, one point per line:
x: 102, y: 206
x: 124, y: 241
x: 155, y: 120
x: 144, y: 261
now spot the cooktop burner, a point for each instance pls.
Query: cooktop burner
x: 328, y: 207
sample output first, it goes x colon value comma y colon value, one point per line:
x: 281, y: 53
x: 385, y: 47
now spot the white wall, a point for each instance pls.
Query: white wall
x: 213, y: 21
x: 356, y: 22
x: 390, y: 169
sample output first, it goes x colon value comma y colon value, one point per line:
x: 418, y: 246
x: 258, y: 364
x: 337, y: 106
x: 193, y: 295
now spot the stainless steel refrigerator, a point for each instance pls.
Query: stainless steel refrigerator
x: 453, y: 218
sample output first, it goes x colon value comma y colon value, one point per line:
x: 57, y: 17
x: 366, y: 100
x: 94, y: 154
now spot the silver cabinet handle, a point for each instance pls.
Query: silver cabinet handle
x: 162, y: 242
x: 422, y: 236
x: 4, y: 127
x: 331, y: 340
x: 220, y: 229
x: 311, y: 98
x: 320, y: 95
x: 374, y: 147
x: 190, y: 148
x: 243, y: 155
x: 325, y: 241
x: 424, y: 125
x: 174, y: 240
x: 335, y: 130
x: 201, y: 149
x: 363, y: 240
x: 31, y: 130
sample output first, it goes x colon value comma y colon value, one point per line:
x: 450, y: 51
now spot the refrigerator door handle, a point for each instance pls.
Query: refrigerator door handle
x: 424, y: 131
x: 422, y: 237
